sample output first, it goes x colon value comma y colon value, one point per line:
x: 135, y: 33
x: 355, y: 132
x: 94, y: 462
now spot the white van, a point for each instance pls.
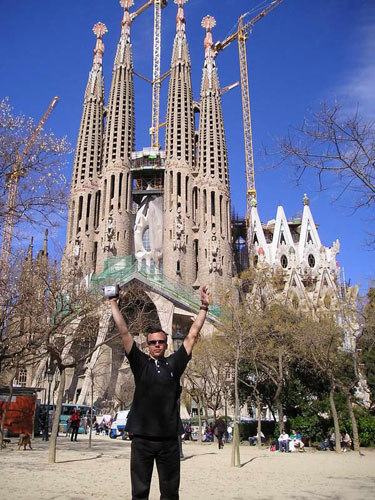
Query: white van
x: 118, y: 424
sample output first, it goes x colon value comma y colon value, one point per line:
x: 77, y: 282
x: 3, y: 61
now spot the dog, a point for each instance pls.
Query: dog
x: 24, y: 440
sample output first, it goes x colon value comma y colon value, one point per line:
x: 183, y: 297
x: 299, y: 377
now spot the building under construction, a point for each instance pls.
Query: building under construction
x: 160, y: 218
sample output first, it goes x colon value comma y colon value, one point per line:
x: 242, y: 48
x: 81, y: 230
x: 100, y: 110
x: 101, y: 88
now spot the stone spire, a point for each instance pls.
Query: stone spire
x: 115, y: 216
x: 89, y: 144
x: 30, y: 250
x: 178, y: 255
x: 214, y: 253
x: 179, y: 135
x: 119, y: 134
x: 85, y: 195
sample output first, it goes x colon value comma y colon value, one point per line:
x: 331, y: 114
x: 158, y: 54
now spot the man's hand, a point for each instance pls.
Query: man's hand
x: 205, y: 296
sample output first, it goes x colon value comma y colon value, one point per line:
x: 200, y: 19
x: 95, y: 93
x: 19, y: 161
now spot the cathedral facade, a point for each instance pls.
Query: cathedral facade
x: 160, y: 219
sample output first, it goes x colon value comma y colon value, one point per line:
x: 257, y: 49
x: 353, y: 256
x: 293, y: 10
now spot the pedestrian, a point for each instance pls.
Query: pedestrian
x: 68, y: 427
x: 75, y: 421
x: 219, y: 430
x: 154, y: 418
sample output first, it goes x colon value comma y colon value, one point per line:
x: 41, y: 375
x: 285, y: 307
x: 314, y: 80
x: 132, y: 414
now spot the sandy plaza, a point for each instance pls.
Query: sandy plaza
x: 102, y: 472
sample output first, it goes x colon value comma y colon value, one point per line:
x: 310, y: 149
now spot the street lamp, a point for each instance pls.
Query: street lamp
x: 50, y: 374
x: 178, y: 339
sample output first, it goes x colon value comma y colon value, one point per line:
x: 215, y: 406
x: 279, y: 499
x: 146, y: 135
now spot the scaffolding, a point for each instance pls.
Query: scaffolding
x: 123, y: 270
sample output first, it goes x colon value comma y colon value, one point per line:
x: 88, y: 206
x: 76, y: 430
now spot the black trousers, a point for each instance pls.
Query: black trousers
x: 74, y: 433
x: 220, y: 436
x: 166, y: 453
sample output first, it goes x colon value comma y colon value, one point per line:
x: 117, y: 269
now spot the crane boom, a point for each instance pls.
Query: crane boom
x: 246, y: 112
x: 12, y: 185
x: 242, y: 34
x: 141, y: 9
x: 156, y: 76
x: 246, y: 27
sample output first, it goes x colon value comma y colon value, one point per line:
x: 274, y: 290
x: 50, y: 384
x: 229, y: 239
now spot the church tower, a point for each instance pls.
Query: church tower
x: 211, y: 198
x: 115, y: 211
x: 81, y: 248
x: 180, y: 234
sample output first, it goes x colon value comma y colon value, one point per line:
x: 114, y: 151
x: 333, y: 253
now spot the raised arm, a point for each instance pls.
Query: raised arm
x: 127, y: 339
x: 196, y: 327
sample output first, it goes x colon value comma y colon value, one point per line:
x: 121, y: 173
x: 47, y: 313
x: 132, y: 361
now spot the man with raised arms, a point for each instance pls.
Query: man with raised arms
x: 154, y: 417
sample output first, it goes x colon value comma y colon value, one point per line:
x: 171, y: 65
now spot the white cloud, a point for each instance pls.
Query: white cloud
x: 358, y: 85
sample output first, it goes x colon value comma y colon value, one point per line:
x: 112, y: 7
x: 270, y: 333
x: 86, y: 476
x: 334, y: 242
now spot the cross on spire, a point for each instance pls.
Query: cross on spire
x: 99, y: 30
x: 208, y: 22
x: 126, y: 4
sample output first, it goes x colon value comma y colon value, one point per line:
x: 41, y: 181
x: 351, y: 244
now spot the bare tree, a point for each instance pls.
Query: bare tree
x: 338, y: 148
x: 206, y: 371
x: 42, y: 188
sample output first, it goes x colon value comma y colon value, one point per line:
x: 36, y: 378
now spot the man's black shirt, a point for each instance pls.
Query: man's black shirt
x: 154, y: 411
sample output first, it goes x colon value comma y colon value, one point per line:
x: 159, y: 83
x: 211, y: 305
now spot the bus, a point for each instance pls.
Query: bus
x: 67, y: 411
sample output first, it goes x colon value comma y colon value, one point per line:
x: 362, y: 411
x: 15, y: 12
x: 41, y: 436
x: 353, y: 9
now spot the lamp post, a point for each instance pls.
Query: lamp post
x: 50, y: 373
x: 178, y: 339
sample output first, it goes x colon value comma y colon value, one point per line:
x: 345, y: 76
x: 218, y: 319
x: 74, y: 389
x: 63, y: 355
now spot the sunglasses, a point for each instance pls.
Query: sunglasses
x: 154, y: 342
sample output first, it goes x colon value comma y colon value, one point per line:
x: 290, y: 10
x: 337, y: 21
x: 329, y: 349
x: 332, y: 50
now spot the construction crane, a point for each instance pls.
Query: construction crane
x: 242, y: 33
x: 12, y: 186
x: 156, y: 78
x: 156, y: 81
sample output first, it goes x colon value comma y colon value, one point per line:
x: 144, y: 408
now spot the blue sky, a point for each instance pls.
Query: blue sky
x: 302, y: 53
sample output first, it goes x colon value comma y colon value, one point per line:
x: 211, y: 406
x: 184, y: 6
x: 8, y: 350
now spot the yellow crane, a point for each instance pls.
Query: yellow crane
x: 12, y: 186
x: 242, y: 34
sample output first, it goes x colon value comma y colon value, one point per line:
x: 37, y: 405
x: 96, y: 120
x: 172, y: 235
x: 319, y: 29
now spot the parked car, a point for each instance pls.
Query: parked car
x: 118, y: 425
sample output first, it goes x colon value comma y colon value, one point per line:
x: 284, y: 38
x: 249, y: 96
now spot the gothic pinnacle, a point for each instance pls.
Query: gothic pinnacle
x: 126, y: 20
x: 180, y: 18
x: 45, y: 242
x: 208, y: 23
x: 99, y: 30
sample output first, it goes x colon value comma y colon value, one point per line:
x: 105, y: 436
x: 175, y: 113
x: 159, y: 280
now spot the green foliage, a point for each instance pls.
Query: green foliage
x: 311, y: 426
x: 366, y: 427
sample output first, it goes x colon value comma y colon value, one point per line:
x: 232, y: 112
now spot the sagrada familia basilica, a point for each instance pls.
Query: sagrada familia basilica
x: 160, y: 218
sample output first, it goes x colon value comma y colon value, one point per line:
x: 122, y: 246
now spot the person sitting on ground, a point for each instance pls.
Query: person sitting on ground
x: 346, y: 441
x: 295, y: 442
x: 324, y: 445
x: 253, y: 439
x: 284, y: 441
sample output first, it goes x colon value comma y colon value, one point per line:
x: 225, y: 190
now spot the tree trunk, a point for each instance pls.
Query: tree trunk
x: 335, y: 418
x: 259, y: 430
x: 56, y: 420
x: 4, y: 415
x: 354, y: 424
x: 235, y: 459
x: 279, y: 407
x: 199, y: 422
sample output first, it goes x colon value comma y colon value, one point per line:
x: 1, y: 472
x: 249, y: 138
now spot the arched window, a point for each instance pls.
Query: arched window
x: 284, y: 261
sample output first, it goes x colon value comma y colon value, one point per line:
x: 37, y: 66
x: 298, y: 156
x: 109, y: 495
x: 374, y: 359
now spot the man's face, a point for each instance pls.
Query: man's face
x: 157, y: 344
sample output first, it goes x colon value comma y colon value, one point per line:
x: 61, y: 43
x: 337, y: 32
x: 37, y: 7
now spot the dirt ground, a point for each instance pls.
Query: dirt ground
x: 102, y: 472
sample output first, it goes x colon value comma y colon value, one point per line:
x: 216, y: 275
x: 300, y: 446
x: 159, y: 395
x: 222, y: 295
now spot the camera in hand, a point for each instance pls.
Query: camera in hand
x: 111, y: 292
